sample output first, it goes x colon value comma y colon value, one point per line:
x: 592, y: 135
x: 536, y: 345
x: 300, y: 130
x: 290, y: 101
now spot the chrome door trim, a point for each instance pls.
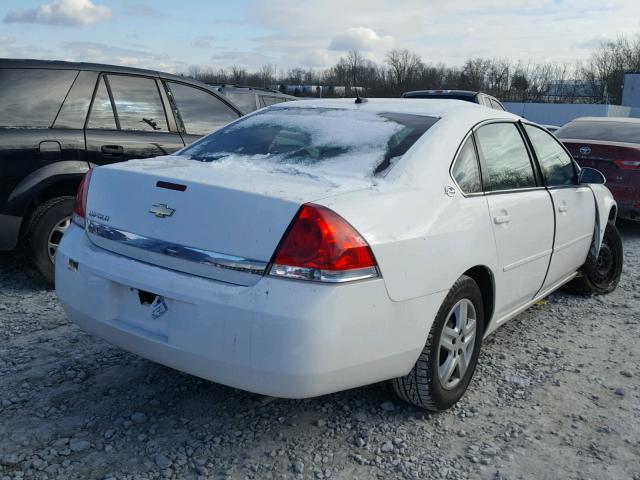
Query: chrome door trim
x: 176, y: 251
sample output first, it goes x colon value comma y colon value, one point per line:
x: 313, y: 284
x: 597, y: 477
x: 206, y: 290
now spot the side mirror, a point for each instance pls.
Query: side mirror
x: 591, y: 175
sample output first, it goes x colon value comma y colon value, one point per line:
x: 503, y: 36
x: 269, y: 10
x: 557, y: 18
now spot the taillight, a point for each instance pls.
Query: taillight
x: 320, y: 245
x: 80, y: 205
x: 628, y: 164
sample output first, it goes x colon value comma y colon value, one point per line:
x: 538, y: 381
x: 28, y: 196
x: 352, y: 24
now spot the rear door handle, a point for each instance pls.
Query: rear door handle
x: 563, y: 208
x: 501, y: 219
x: 112, y: 150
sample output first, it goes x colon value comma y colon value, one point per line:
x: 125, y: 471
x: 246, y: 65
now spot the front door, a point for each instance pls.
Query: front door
x: 520, y: 212
x: 128, y: 120
x: 574, y: 204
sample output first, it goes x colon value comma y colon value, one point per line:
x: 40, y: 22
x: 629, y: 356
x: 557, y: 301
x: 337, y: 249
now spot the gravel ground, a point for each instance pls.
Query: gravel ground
x: 556, y: 395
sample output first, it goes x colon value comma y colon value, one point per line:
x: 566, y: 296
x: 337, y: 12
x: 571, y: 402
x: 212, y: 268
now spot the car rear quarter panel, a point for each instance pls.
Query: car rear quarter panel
x: 423, y: 240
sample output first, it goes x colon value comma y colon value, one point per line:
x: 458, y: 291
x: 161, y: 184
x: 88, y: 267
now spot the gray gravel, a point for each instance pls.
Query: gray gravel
x: 556, y: 395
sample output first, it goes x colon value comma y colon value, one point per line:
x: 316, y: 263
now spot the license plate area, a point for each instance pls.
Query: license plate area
x: 144, y: 310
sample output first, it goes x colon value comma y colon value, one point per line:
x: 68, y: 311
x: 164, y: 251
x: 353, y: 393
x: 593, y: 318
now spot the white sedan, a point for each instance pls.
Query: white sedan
x: 317, y: 246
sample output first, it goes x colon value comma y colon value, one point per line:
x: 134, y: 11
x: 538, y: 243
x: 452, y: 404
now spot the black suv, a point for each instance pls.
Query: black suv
x: 59, y: 119
x: 466, y: 95
x: 249, y: 99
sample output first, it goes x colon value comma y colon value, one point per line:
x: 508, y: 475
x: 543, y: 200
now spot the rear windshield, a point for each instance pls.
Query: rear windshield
x: 31, y: 97
x: 351, y: 142
x: 609, y: 131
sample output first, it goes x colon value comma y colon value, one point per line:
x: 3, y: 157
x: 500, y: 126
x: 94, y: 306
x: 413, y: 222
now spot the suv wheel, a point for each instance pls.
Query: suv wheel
x: 445, y: 367
x: 44, y: 231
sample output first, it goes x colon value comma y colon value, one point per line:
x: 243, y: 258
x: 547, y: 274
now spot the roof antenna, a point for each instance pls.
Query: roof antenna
x: 359, y: 99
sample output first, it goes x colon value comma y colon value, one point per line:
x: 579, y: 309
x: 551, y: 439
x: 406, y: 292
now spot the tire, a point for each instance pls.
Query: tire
x: 602, y: 275
x: 47, y: 222
x: 423, y: 385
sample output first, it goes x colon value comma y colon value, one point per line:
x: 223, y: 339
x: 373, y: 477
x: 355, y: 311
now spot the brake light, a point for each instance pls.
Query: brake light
x: 80, y: 205
x: 628, y: 164
x: 320, y: 245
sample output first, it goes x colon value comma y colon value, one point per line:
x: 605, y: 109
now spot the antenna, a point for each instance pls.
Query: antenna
x: 359, y: 99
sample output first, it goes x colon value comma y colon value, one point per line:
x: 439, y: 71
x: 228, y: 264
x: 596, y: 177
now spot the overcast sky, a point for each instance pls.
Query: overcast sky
x: 170, y: 35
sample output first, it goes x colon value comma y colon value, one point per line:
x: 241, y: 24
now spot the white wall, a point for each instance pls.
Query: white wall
x: 561, y: 113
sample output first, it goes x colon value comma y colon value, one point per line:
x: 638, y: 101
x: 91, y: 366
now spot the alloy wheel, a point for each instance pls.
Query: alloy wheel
x: 55, y: 236
x: 457, y: 342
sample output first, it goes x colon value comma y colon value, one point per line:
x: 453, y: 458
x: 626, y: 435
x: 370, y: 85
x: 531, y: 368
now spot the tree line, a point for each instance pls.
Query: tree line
x: 598, y: 79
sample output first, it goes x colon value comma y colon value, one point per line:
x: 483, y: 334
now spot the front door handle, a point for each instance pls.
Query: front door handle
x: 501, y: 219
x: 112, y: 150
x: 563, y: 208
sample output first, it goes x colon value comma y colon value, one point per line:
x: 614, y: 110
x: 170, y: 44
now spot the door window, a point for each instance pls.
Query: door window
x: 201, y: 112
x: 101, y: 116
x: 505, y: 157
x: 137, y: 103
x: 465, y: 169
x: 557, y: 165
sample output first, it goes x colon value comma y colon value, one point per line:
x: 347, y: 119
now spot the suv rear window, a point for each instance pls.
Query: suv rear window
x: 32, y: 97
x: 308, y: 140
x: 607, y: 131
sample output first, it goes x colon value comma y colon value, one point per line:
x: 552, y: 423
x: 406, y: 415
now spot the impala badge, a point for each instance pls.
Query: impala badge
x: 162, y: 210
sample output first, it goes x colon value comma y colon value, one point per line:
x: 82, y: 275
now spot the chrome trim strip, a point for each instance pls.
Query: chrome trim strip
x: 191, y: 254
x: 323, y: 276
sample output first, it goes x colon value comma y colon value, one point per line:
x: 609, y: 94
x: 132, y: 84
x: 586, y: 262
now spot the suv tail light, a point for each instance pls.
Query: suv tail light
x: 320, y: 245
x: 628, y: 164
x: 80, y: 205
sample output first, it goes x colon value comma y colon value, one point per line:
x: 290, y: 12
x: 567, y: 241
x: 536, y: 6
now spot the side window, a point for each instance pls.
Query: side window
x: 465, y: 169
x: 246, y: 102
x: 74, y: 110
x: 505, y: 157
x: 101, y: 116
x: 557, y: 166
x: 201, y: 112
x: 268, y: 100
x: 137, y: 103
x: 495, y: 104
x: 31, y: 97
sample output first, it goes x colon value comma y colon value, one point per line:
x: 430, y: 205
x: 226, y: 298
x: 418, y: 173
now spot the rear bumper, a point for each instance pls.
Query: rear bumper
x: 628, y: 199
x: 9, y: 231
x: 278, y: 337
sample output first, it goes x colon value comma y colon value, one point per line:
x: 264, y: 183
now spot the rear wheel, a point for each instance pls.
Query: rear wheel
x: 447, y: 363
x: 43, y: 234
x: 601, y: 275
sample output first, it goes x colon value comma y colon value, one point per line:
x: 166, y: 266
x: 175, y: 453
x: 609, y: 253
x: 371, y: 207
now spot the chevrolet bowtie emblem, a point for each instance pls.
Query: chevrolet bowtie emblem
x: 162, y: 210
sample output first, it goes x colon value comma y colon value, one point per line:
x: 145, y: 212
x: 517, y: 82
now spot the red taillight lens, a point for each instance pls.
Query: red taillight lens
x: 80, y: 205
x: 628, y: 164
x: 320, y: 245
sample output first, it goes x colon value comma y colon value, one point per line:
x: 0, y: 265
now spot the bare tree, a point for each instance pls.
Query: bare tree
x: 404, y: 68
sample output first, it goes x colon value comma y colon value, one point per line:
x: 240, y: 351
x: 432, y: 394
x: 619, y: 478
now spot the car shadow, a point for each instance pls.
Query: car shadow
x: 628, y: 228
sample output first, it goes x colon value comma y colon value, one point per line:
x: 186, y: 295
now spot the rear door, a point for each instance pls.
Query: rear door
x: 198, y: 111
x: 128, y: 120
x: 574, y: 205
x: 520, y: 212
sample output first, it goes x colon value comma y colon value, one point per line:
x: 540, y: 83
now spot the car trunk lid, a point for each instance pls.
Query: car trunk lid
x: 602, y: 156
x: 220, y: 223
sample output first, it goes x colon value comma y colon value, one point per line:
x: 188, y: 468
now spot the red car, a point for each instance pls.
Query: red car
x: 611, y: 145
